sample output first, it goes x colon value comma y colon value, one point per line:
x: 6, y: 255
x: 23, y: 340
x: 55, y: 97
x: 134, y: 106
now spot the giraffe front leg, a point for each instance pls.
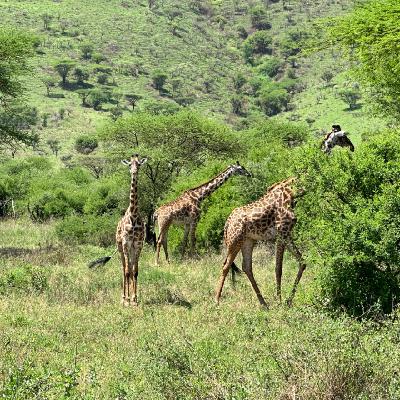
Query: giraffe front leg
x: 122, y: 255
x: 125, y: 296
x: 135, y: 274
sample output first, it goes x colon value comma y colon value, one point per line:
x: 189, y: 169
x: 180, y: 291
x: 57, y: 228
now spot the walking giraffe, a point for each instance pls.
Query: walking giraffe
x: 271, y: 218
x: 185, y: 210
x: 130, y: 236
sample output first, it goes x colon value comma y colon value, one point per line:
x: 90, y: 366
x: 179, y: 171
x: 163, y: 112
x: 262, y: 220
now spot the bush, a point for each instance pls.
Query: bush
x: 349, y: 220
x: 259, y: 18
x: 271, y: 67
x: 273, y: 101
x: 258, y: 43
x: 56, y: 195
x: 86, y: 144
x: 90, y: 229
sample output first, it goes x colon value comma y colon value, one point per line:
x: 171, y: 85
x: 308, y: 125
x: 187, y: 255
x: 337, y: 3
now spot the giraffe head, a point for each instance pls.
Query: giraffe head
x: 134, y: 163
x: 239, y: 169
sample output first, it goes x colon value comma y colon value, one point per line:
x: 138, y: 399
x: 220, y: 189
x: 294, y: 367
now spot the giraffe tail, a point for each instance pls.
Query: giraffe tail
x: 235, y: 270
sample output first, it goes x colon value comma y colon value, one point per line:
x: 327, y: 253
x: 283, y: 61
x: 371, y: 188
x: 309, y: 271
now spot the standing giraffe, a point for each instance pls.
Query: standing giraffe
x: 270, y: 218
x: 186, y: 209
x: 130, y: 235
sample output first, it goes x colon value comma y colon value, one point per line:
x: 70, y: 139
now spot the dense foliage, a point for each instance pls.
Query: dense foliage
x: 370, y: 35
x: 349, y: 221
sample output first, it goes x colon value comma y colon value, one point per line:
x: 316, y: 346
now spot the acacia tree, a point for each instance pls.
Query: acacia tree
x: 370, y: 35
x: 175, y: 145
x: 16, y: 119
x: 63, y: 68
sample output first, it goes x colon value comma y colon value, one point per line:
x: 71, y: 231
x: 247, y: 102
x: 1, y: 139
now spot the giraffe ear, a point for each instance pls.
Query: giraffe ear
x: 143, y: 160
x: 126, y: 162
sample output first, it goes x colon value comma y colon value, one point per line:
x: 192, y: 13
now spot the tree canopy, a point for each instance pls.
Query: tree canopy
x: 15, y: 120
x: 370, y: 35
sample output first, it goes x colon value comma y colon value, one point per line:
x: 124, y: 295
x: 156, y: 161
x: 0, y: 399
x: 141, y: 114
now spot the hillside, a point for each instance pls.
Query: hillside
x: 195, y: 47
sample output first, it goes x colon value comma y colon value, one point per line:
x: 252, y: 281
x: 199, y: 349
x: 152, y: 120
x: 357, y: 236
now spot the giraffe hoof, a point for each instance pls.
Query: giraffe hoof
x: 125, y: 302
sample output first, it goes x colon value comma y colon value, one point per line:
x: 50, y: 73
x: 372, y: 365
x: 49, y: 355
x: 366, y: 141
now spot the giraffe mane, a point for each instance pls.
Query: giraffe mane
x: 206, y: 183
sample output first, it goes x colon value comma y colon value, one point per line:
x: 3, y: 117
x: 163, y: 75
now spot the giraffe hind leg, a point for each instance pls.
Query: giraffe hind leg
x: 247, y: 253
x: 302, y: 266
x: 230, y: 257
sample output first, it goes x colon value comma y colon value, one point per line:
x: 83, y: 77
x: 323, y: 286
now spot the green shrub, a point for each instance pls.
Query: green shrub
x: 86, y: 144
x: 259, y: 18
x: 270, y: 67
x: 259, y: 43
x: 349, y: 220
x: 90, y: 229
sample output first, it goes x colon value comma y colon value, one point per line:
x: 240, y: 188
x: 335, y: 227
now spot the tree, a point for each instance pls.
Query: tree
x: 86, y: 144
x: 351, y: 97
x: 327, y: 76
x: 237, y: 102
x: 83, y: 94
x: 187, y: 141
x: 81, y: 75
x: 370, y: 36
x: 97, y: 97
x: 87, y: 50
x: 46, y: 18
x: 63, y: 68
x: 259, y: 18
x: 50, y: 82
x: 54, y: 145
x: 238, y: 81
x: 273, y: 101
x: 258, y: 43
x: 16, y: 122
x: 16, y: 119
x: 159, y: 78
x: 132, y: 99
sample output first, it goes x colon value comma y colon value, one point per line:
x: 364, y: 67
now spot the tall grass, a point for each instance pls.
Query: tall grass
x: 64, y: 334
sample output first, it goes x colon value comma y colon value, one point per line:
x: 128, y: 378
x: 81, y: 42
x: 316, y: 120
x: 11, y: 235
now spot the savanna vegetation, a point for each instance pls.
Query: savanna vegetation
x: 84, y: 85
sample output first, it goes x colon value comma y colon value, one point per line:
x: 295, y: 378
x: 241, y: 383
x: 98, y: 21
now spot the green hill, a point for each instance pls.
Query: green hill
x: 195, y: 46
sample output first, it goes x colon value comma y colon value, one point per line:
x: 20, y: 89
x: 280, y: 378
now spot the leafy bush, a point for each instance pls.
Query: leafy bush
x: 86, y: 144
x: 270, y: 67
x: 259, y: 18
x: 56, y: 195
x: 90, y: 229
x: 349, y: 220
x: 258, y: 43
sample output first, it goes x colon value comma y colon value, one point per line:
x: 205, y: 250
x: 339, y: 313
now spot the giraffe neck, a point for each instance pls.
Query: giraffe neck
x: 133, y: 199
x: 201, y: 192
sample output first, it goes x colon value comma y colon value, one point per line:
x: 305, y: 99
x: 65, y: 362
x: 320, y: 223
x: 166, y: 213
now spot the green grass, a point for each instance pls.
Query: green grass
x: 64, y: 334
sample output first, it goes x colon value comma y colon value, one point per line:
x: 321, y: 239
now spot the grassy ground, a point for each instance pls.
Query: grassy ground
x: 64, y: 334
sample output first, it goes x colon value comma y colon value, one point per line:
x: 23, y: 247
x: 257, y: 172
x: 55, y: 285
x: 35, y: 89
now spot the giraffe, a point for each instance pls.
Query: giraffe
x: 185, y: 210
x: 130, y: 236
x: 271, y: 218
